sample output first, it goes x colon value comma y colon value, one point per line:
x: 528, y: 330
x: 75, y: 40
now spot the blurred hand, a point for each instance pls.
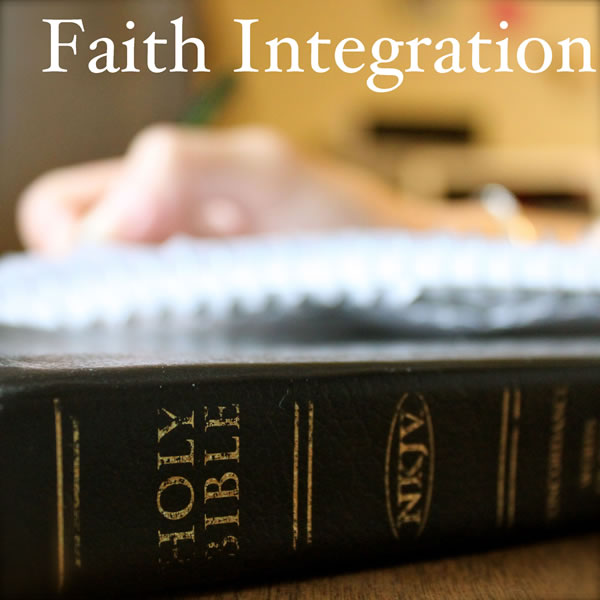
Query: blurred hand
x: 212, y: 183
x: 198, y: 182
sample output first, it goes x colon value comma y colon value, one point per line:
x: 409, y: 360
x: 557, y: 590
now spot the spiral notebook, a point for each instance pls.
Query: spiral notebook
x: 386, y: 281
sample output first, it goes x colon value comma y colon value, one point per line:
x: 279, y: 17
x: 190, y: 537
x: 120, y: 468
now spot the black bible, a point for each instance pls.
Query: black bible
x: 169, y: 463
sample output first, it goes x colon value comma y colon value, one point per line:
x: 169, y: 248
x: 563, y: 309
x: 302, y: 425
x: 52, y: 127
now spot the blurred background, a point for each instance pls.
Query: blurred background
x: 439, y: 137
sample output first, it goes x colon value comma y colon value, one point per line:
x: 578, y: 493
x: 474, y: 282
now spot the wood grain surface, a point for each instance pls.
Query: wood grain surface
x: 567, y: 569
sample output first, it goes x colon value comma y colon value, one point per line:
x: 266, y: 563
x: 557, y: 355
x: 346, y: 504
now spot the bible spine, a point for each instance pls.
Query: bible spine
x: 179, y: 477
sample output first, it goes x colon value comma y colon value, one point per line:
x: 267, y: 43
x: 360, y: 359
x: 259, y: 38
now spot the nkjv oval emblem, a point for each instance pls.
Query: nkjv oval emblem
x: 409, y: 465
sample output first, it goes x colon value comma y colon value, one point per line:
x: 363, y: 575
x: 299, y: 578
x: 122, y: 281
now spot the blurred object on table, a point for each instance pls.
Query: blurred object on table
x: 568, y: 569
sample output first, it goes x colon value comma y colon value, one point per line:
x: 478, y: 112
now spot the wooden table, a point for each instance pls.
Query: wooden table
x: 567, y: 569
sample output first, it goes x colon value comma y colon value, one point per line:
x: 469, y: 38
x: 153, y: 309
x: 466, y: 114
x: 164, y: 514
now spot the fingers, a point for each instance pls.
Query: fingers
x: 193, y: 181
x: 186, y: 180
x: 50, y: 209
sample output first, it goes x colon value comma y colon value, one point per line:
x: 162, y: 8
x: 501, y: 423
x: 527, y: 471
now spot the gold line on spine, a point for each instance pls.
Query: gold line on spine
x: 60, y: 517
x: 517, y: 405
x: 76, y: 493
x: 502, y: 457
x: 311, y: 418
x: 514, y: 452
x: 295, y: 490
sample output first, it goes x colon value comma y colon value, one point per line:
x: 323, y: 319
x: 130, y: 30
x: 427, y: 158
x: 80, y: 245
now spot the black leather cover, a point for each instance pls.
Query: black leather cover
x: 166, y: 473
